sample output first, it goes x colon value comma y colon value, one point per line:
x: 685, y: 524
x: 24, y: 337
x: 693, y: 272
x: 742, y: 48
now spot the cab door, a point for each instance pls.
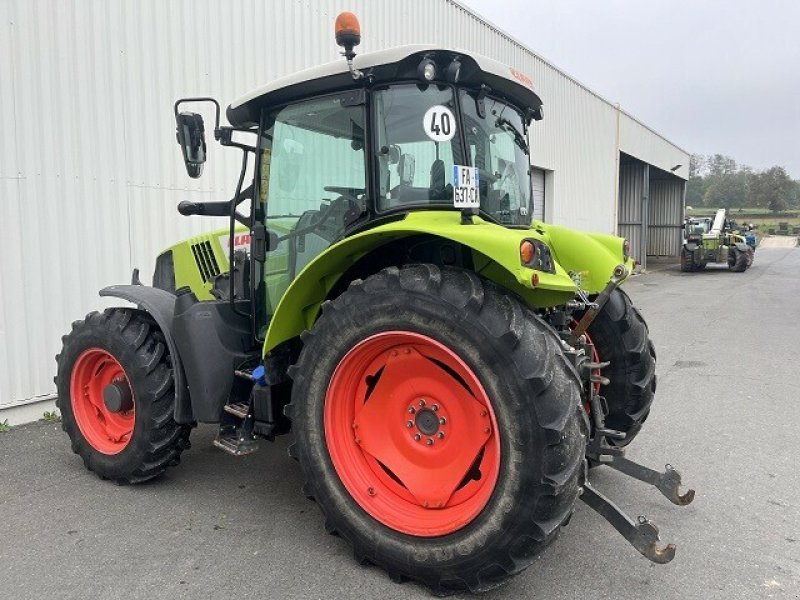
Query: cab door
x: 313, y: 183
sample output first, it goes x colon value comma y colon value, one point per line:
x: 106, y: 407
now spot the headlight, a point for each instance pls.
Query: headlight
x: 427, y: 69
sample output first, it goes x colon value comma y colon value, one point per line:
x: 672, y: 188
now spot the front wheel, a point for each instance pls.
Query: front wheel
x: 620, y: 336
x: 439, y: 427
x: 116, y: 396
x: 738, y: 261
x: 687, y: 261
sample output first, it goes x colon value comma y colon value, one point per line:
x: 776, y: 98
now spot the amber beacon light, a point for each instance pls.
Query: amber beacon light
x: 348, y: 32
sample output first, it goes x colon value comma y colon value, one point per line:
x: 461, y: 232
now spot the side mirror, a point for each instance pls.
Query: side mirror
x: 192, y: 139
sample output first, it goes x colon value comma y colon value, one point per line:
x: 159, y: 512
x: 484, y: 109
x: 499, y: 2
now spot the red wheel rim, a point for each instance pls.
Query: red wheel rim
x: 412, y: 434
x: 108, y: 432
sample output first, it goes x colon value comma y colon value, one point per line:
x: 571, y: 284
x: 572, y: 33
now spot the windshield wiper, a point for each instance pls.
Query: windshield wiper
x: 519, y: 139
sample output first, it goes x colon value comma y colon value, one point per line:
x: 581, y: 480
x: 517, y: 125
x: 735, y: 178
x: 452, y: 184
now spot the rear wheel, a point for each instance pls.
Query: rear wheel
x: 116, y: 397
x: 439, y: 427
x: 620, y: 335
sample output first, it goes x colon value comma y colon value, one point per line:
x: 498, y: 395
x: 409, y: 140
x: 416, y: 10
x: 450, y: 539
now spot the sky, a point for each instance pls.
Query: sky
x: 712, y: 76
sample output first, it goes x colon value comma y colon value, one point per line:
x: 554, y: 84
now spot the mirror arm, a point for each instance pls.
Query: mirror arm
x: 224, y: 135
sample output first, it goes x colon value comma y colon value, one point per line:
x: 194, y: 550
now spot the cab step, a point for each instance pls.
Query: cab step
x: 240, y: 409
x: 235, y: 444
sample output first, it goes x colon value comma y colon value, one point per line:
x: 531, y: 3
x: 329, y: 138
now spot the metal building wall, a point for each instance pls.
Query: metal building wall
x: 90, y: 173
x: 665, y: 217
x: 633, y: 191
x: 638, y: 140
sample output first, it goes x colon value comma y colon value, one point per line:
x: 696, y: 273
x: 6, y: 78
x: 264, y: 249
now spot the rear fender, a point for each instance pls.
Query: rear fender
x: 742, y: 246
x: 495, y: 254
x: 160, y: 305
x: 690, y: 246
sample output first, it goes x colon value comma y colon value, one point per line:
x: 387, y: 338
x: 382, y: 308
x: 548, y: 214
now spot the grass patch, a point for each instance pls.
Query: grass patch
x: 4, y: 426
x: 51, y: 416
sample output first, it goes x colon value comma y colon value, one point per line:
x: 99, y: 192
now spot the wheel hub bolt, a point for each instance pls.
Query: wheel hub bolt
x: 411, y: 410
x: 440, y: 435
x: 422, y: 402
x: 429, y: 441
x: 435, y: 407
x: 410, y: 424
x: 417, y: 437
x: 442, y: 421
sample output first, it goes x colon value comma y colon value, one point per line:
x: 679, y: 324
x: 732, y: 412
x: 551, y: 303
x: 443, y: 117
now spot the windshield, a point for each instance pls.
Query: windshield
x: 499, y: 149
x: 415, y: 162
x: 418, y: 142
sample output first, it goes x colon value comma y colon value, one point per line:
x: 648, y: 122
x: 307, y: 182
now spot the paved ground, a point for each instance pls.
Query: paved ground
x: 727, y: 413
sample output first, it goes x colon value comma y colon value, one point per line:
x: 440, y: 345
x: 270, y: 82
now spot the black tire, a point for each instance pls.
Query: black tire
x: 738, y: 261
x: 535, y: 395
x: 621, y: 336
x: 687, y: 261
x: 138, y: 345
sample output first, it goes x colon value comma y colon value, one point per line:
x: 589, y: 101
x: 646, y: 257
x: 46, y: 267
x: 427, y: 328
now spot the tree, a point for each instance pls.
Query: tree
x: 773, y: 188
x: 697, y: 165
x: 727, y: 190
x: 720, y: 165
x: 695, y: 190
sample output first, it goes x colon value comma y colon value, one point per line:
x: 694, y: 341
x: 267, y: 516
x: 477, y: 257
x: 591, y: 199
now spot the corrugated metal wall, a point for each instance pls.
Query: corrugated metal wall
x: 633, y: 190
x: 665, y: 217
x: 537, y: 185
x: 90, y: 173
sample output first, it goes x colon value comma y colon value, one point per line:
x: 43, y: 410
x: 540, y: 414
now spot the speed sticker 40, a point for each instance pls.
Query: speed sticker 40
x: 465, y: 187
x: 439, y: 123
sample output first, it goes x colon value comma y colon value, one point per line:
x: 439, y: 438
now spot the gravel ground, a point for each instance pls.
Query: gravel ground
x: 726, y: 415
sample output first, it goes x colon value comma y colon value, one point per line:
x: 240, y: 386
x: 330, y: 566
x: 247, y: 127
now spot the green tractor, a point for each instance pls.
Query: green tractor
x: 449, y: 370
x: 716, y: 240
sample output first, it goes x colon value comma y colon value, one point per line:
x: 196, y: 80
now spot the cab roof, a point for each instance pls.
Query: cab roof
x: 385, y: 66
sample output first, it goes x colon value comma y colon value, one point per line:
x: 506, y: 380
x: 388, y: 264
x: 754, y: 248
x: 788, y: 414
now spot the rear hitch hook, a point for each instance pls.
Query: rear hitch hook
x: 668, y: 482
x: 642, y: 534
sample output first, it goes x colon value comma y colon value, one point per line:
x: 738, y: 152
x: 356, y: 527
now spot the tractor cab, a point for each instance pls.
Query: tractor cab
x: 346, y: 146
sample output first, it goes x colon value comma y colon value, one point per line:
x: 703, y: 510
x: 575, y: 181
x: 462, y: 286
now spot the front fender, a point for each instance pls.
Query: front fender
x: 160, y: 305
x: 495, y: 253
x: 591, y: 257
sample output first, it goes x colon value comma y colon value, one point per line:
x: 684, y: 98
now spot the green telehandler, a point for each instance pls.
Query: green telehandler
x: 449, y: 369
x: 717, y: 240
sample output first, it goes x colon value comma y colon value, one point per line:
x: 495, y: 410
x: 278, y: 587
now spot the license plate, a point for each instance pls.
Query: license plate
x: 465, y: 187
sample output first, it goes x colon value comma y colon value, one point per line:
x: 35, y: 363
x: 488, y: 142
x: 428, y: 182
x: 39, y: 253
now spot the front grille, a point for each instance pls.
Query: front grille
x: 206, y: 262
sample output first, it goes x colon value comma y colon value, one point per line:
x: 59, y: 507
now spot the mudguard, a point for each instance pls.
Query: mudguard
x: 742, y: 246
x: 690, y: 246
x: 587, y: 258
x: 160, y: 305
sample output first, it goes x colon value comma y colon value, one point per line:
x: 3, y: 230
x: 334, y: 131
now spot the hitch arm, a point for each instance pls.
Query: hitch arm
x: 641, y: 534
x: 620, y: 272
x: 668, y: 482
